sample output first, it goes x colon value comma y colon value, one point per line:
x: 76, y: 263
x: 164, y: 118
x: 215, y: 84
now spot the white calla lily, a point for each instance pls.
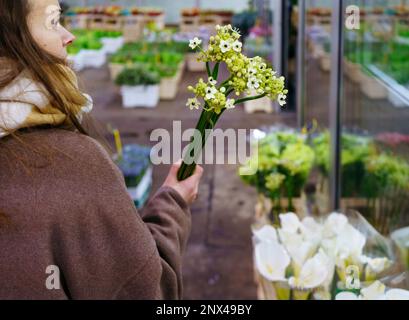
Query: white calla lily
x: 346, y: 295
x: 311, y: 230
x: 397, y: 294
x: 313, y: 273
x: 376, y: 265
x: 334, y: 224
x: 290, y: 222
x: 299, y: 253
x: 271, y: 260
x: 350, y: 243
x: 375, y: 291
x: 266, y: 233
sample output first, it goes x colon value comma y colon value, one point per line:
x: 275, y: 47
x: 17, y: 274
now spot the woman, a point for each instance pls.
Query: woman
x: 68, y: 229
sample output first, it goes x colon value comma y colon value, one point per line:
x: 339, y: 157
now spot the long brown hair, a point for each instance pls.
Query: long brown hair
x: 21, y: 52
x: 18, y: 47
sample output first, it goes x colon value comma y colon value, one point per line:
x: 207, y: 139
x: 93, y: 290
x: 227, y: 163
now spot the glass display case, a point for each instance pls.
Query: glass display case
x: 373, y: 89
x: 375, y: 114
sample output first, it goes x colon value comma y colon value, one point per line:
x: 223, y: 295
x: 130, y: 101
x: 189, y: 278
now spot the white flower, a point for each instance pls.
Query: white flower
x: 290, y: 222
x: 210, y: 93
x: 225, y: 46
x: 282, y: 99
x: 266, y: 233
x: 230, y: 104
x: 193, y: 104
x: 212, y: 81
x: 397, y: 294
x: 253, y: 83
x: 350, y: 243
x: 311, y: 230
x: 374, y: 292
x: 218, y: 27
x: 252, y: 72
x: 334, y: 224
x: 376, y: 265
x: 313, y: 273
x: 262, y: 66
x: 195, y: 43
x: 222, y: 89
x: 271, y: 260
x: 299, y: 251
x: 237, y: 45
x: 346, y: 295
x: 321, y: 295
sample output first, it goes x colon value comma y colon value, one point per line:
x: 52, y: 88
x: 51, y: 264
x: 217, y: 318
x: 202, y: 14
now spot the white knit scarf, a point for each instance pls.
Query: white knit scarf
x: 25, y: 103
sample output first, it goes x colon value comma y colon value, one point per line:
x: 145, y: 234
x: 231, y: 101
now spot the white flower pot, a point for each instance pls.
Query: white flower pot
x: 115, y: 69
x: 112, y: 45
x: 140, y: 96
x: 93, y: 58
x: 169, y: 88
x: 194, y: 65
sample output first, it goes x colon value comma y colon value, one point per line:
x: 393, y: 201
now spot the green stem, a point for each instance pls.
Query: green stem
x: 224, y: 83
x: 204, y: 126
x: 209, y: 73
x: 250, y: 98
x: 215, y: 73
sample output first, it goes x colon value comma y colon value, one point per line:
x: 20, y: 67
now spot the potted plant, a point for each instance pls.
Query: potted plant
x: 170, y: 72
x: 139, y: 87
x: 111, y: 40
x: 281, y: 168
x: 92, y: 51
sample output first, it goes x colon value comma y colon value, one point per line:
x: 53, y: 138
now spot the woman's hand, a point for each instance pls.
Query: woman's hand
x: 188, y: 188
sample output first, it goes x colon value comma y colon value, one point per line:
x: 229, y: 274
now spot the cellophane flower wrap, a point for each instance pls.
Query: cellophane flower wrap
x: 248, y: 79
x: 334, y: 257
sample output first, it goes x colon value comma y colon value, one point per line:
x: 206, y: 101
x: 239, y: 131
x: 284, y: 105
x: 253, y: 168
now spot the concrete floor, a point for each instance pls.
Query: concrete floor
x: 218, y: 260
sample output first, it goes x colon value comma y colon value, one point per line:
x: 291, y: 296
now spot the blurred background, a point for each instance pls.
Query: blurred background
x: 348, y: 102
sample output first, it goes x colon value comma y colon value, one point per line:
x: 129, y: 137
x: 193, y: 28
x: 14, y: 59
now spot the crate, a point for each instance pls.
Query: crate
x: 189, y: 24
x: 132, y: 28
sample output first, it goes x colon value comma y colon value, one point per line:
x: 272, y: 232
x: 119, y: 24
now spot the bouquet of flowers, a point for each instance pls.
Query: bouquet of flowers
x: 246, y: 76
x: 333, y: 258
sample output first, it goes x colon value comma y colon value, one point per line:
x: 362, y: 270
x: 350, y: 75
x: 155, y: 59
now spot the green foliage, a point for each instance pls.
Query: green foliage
x: 365, y: 171
x: 137, y: 75
x: 165, y: 63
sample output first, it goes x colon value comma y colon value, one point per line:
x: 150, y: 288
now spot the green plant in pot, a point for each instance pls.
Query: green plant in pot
x: 139, y: 87
x: 281, y: 168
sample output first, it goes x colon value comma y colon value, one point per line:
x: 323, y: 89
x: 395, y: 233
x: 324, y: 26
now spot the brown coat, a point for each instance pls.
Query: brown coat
x: 73, y: 211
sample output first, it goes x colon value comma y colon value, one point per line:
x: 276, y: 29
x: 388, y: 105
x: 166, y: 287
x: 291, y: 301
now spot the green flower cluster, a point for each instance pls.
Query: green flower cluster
x: 282, y: 164
x: 389, y: 170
